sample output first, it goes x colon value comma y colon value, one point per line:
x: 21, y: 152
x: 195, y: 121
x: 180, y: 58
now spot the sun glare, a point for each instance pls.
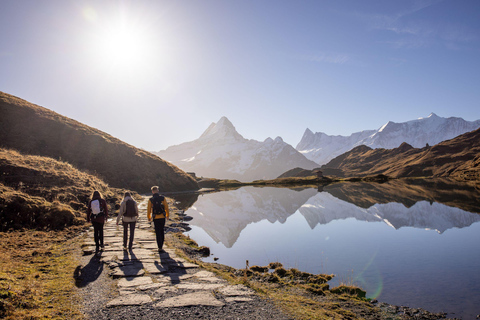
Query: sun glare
x: 122, y: 46
x: 119, y: 44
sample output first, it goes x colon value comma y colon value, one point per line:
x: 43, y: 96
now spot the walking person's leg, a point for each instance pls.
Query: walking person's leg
x: 159, y: 232
x: 125, y: 234
x: 132, y: 234
x: 100, y: 235
x: 96, y: 235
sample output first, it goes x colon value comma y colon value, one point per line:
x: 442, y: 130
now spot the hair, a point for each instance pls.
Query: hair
x: 155, y: 189
x: 96, y: 195
x: 127, y: 194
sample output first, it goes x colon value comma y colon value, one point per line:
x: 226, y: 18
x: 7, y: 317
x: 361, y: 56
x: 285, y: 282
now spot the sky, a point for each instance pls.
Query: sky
x: 158, y: 73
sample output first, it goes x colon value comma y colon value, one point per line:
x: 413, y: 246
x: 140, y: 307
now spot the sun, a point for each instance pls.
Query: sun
x: 120, y: 43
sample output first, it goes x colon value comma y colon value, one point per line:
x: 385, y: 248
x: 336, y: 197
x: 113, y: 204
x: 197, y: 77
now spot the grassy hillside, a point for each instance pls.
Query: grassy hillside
x: 32, y: 129
x: 43, y: 193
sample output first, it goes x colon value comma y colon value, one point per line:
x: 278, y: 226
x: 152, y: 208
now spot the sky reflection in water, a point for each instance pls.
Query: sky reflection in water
x: 424, y: 255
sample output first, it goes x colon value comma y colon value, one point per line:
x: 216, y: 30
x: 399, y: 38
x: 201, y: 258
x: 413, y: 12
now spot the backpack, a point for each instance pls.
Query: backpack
x: 157, y: 205
x: 96, y: 208
x: 130, y: 208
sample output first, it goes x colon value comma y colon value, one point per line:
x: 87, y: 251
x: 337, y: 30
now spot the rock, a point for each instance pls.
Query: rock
x: 237, y: 290
x: 201, y: 298
x: 134, y: 299
x: 133, y: 282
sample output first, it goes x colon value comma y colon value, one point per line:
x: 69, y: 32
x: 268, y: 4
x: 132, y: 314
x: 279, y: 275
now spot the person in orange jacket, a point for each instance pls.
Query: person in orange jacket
x: 157, y: 210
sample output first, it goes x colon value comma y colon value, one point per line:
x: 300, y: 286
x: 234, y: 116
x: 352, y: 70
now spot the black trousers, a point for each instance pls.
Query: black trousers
x: 98, y: 234
x: 126, y: 226
x: 159, y: 231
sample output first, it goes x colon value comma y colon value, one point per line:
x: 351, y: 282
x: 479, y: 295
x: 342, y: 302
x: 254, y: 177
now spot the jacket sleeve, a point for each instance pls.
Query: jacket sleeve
x: 121, y: 211
x: 106, y: 209
x: 149, y: 210
x: 167, y: 213
x: 89, y: 210
x: 136, y: 208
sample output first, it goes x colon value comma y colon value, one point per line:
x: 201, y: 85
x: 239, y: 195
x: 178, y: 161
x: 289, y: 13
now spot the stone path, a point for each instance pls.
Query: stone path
x: 143, y: 276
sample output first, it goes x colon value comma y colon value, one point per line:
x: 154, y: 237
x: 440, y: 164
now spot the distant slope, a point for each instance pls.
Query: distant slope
x: 221, y: 152
x: 36, y: 130
x: 457, y: 158
x: 431, y: 130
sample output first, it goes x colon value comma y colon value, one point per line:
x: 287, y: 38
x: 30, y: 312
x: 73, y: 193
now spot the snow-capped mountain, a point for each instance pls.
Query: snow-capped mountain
x: 221, y: 152
x: 322, y: 148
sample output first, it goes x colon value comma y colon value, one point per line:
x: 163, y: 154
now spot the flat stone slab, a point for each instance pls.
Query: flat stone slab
x: 201, y: 298
x: 134, y: 282
x: 163, y: 290
x: 155, y: 268
x: 128, y: 271
x: 134, y: 299
x: 173, y: 277
x: 199, y: 286
x: 152, y: 286
x: 237, y: 290
x: 238, y: 299
x: 204, y: 274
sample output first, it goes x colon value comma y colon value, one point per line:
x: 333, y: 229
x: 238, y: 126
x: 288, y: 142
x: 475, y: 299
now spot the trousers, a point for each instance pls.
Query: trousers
x: 98, y: 234
x: 159, y: 231
x: 126, y: 226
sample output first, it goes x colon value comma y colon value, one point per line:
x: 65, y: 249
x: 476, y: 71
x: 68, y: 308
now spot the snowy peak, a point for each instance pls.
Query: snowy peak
x: 223, y: 129
x: 221, y: 152
x: 322, y: 148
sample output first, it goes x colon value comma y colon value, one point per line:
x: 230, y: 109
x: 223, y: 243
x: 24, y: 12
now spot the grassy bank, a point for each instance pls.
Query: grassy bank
x: 36, y: 275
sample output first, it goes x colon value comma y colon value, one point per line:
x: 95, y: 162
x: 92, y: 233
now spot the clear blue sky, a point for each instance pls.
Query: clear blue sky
x: 157, y: 73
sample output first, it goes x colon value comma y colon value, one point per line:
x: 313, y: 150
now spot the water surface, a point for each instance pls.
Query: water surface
x: 413, y: 245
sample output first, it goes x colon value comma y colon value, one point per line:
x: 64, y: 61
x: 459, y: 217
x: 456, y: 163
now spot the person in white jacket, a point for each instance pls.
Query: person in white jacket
x: 128, y: 214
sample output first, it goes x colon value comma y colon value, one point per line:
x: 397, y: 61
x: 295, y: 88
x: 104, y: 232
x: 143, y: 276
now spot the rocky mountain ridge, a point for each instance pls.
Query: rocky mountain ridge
x: 221, y: 152
x: 431, y: 130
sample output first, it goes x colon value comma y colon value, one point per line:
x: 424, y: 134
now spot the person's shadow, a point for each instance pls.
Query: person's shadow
x: 89, y: 273
x: 174, y: 268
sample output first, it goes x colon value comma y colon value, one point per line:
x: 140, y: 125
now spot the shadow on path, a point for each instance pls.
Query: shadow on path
x: 89, y: 273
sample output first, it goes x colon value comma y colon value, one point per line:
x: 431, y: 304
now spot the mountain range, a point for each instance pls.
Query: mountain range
x: 322, y: 148
x: 221, y: 152
x: 457, y: 158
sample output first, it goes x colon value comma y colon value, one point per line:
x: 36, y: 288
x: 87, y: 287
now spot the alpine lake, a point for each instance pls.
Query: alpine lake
x: 409, y: 243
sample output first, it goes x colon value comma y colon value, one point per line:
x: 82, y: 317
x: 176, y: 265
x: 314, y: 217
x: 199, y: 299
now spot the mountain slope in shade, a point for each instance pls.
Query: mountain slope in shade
x: 432, y: 130
x: 36, y: 130
x: 221, y: 152
x: 457, y: 158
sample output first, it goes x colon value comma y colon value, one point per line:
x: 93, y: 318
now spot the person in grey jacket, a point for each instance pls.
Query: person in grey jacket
x: 128, y: 214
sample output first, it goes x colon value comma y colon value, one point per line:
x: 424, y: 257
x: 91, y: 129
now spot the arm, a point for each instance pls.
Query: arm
x: 89, y: 210
x: 167, y: 213
x: 149, y: 210
x: 121, y: 211
x: 106, y: 209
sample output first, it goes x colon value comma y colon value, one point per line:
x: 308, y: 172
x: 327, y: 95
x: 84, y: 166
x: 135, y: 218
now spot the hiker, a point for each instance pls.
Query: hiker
x: 157, y: 211
x: 128, y: 214
x: 97, y: 212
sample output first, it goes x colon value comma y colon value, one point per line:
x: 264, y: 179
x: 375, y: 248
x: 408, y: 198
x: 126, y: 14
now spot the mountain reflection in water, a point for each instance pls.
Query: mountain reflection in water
x: 397, y: 203
x: 411, y: 243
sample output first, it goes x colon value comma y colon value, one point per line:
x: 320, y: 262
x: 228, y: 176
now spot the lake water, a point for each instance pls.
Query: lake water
x: 415, y: 244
